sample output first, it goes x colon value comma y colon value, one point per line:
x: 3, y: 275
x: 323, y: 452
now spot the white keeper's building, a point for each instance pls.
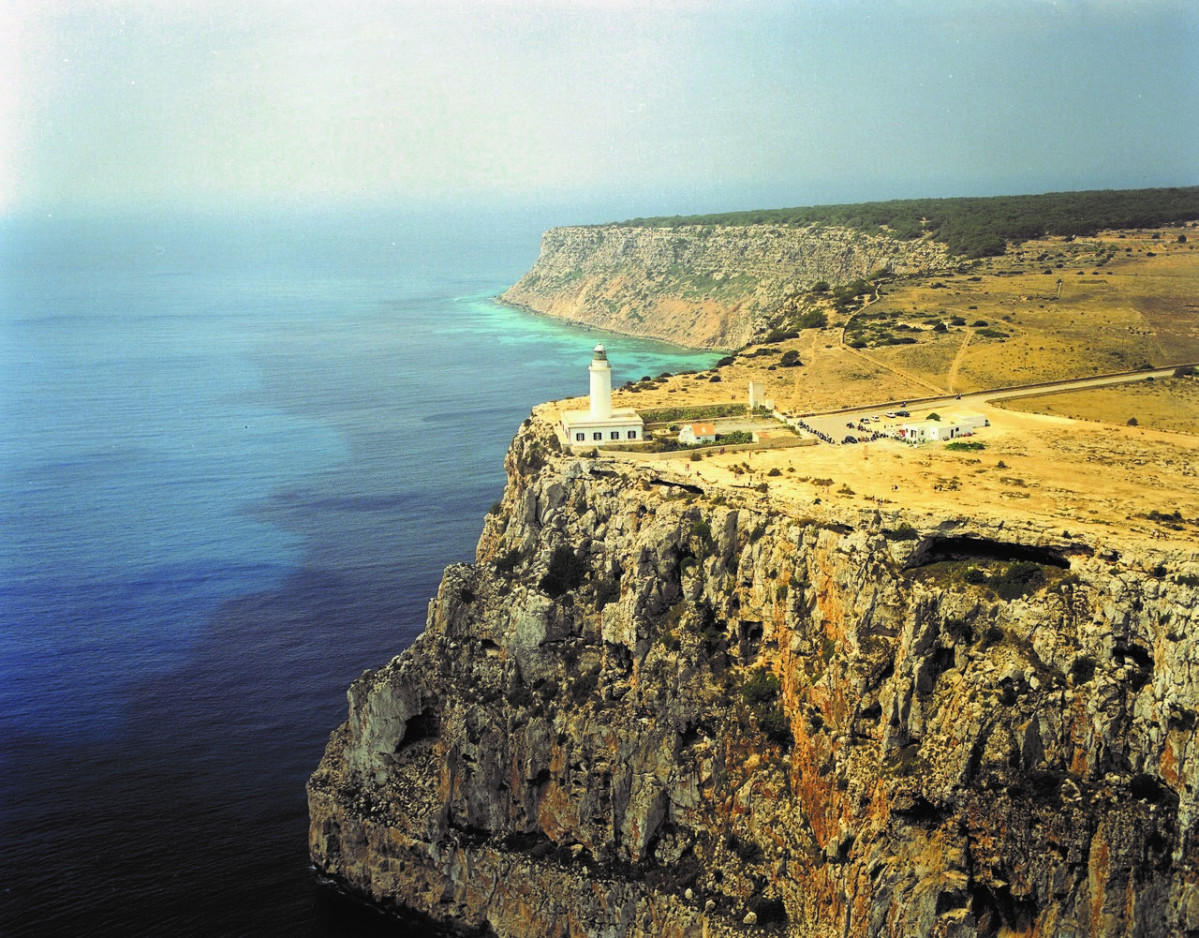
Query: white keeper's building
x: 600, y: 425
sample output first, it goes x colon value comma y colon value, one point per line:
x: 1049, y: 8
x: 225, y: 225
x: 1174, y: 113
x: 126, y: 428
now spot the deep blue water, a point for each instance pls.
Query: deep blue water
x: 235, y: 455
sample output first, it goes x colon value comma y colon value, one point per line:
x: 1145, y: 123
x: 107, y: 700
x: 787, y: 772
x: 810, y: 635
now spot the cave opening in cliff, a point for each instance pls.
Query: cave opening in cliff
x: 943, y: 549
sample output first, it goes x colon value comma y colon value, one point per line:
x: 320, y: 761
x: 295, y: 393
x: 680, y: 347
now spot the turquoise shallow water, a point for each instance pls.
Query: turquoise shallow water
x: 235, y: 455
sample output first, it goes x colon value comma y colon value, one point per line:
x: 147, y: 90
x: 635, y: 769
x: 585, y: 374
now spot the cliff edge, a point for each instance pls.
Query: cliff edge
x: 701, y: 286
x: 658, y: 707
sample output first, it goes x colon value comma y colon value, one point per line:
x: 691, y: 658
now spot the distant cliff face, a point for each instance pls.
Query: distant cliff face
x: 653, y: 710
x: 707, y: 287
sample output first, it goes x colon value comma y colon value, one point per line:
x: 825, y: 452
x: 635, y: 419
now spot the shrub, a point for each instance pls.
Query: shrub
x: 1132, y: 422
x: 565, y: 573
x: 1019, y: 579
x: 1185, y: 371
x: 904, y: 532
x: 813, y: 319
x: 959, y: 445
x: 760, y: 687
x: 790, y: 359
x: 507, y: 563
x: 761, y: 692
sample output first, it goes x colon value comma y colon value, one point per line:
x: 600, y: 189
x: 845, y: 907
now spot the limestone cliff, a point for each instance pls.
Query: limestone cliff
x: 702, y: 286
x: 653, y: 709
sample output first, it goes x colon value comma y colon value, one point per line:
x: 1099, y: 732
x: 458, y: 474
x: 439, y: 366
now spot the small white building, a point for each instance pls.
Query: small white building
x: 927, y: 431
x: 601, y: 424
x: 971, y: 419
x: 693, y: 433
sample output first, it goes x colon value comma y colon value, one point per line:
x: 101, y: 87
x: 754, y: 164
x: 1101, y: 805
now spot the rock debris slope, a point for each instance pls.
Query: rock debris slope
x: 703, y: 286
x: 650, y: 709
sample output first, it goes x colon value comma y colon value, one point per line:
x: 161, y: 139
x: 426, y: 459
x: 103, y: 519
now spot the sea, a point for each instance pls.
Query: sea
x: 236, y: 452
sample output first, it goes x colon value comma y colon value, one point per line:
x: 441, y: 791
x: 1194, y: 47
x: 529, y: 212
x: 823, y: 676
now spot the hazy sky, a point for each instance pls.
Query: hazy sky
x: 688, y: 105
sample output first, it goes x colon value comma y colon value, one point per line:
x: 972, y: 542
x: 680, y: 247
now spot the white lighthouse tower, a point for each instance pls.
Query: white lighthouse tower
x: 601, y: 385
x: 601, y: 424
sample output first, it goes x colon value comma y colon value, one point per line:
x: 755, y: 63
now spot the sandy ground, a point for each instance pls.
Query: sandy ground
x: 1080, y: 476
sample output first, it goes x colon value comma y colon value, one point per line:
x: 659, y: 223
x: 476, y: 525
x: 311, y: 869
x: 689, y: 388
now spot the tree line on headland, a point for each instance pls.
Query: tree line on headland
x: 974, y: 227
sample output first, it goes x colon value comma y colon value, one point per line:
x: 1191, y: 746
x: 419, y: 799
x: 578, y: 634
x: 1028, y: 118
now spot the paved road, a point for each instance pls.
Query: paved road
x: 838, y: 424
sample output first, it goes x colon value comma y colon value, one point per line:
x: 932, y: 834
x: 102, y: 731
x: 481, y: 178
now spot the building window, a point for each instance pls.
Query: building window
x: 632, y: 434
x: 580, y: 437
x: 597, y: 436
x: 615, y: 434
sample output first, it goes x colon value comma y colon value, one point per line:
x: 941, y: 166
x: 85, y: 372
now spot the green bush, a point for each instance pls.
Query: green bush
x: 904, y: 532
x: 1019, y: 579
x: 760, y: 687
x: 813, y: 319
x: 565, y: 573
x: 506, y: 564
x: 760, y: 692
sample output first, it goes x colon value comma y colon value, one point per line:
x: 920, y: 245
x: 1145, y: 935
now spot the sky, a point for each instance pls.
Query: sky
x: 618, y: 107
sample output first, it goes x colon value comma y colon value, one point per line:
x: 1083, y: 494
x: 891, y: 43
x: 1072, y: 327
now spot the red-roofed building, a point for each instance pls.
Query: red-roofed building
x: 698, y: 433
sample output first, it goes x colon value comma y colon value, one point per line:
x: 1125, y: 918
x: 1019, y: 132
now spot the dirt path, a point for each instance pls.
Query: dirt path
x: 906, y: 375
x: 952, y: 377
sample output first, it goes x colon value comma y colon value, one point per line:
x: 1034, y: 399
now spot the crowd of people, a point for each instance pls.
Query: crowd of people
x: 865, y: 433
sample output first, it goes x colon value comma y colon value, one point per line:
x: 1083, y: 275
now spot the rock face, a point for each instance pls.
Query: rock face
x: 702, y: 286
x: 650, y: 709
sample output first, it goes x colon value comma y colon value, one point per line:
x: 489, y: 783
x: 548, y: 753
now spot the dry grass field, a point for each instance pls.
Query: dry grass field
x: 1127, y: 300
x: 1069, y: 476
x: 1171, y: 404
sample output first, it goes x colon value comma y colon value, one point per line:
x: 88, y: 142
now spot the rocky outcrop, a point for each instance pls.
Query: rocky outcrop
x: 656, y: 709
x: 701, y: 286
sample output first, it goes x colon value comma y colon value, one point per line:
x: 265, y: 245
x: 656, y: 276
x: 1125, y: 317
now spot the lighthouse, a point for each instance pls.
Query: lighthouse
x: 601, y: 385
x: 601, y: 424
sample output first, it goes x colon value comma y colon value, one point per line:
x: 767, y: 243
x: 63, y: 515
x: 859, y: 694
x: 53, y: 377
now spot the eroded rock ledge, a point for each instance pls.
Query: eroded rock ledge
x: 650, y: 712
x: 700, y: 286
